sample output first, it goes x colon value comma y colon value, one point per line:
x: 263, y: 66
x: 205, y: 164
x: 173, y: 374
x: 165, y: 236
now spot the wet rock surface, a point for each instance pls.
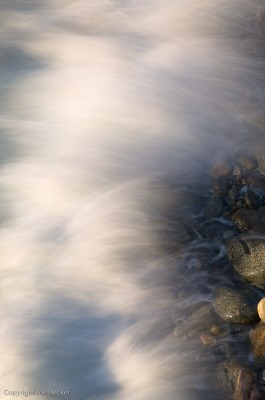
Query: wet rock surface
x: 261, y: 309
x: 235, y: 382
x: 258, y: 342
x: 248, y: 257
x: 235, y: 305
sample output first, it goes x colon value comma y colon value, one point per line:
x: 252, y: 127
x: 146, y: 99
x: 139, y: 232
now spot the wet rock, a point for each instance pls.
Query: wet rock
x: 219, y: 188
x: 219, y: 330
x: 250, y: 199
x: 238, y: 306
x: 213, y: 208
x: 177, y: 235
x: 246, y: 162
x: 246, y: 387
x: 260, y: 15
x: 258, y: 152
x: 257, y: 338
x: 248, y: 258
x: 234, y: 382
x: 212, y: 230
x: 233, y: 194
x: 208, y: 339
x: 261, y: 309
x: 237, y: 172
x: 222, y: 168
x: 249, y: 220
x: 203, y: 256
x: 254, y: 180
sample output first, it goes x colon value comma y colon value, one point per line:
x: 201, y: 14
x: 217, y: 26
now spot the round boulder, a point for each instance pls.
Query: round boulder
x: 248, y: 258
x: 238, y: 306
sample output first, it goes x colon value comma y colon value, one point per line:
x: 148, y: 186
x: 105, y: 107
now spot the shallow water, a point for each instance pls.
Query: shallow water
x: 111, y: 116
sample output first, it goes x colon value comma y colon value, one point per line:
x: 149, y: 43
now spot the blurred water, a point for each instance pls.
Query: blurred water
x: 112, y: 112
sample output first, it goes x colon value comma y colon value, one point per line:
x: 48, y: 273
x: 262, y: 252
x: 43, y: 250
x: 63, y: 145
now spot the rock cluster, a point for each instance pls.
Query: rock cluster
x: 234, y: 220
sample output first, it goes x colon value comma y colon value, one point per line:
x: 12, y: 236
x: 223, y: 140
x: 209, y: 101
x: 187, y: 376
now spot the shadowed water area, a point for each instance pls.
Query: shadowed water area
x: 132, y: 195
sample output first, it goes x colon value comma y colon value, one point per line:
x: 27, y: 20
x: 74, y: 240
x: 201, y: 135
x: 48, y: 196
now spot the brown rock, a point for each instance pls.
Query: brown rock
x: 244, y: 385
x: 207, y: 339
x: 257, y: 338
x: 221, y: 168
x: 248, y: 220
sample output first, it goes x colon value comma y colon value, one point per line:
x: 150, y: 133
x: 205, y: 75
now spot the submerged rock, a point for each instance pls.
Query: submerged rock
x: 222, y: 168
x: 251, y: 199
x: 258, y: 152
x: 219, y: 188
x: 213, y: 208
x: 246, y: 162
x: 238, y: 306
x: 248, y: 258
x: 234, y: 382
x: 257, y: 338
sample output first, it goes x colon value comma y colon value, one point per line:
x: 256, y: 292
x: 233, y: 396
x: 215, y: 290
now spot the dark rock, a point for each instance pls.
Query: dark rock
x: 249, y: 220
x: 237, y: 306
x: 219, y: 188
x: 212, y: 230
x: 233, y: 194
x: 250, y: 199
x: 203, y: 255
x: 248, y: 258
x: 213, y: 208
x: 254, y: 180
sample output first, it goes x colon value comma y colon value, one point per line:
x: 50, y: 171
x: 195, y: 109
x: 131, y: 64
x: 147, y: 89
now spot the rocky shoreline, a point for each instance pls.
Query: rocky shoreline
x: 229, y: 245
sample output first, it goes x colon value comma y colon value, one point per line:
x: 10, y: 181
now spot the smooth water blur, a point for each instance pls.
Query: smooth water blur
x: 112, y: 112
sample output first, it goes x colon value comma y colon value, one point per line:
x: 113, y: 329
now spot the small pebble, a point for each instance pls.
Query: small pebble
x: 218, y: 330
x: 207, y: 339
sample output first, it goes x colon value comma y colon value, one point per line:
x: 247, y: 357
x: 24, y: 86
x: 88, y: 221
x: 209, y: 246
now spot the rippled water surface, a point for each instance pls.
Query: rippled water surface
x: 112, y: 113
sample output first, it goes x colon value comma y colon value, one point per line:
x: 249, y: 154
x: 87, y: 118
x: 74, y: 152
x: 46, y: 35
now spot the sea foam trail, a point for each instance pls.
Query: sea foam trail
x: 111, y: 112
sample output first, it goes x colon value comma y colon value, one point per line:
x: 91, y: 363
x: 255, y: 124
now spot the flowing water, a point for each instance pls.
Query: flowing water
x: 112, y: 112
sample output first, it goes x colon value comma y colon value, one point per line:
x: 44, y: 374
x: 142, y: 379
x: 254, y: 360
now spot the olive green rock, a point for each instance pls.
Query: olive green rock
x: 238, y: 306
x: 248, y: 257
